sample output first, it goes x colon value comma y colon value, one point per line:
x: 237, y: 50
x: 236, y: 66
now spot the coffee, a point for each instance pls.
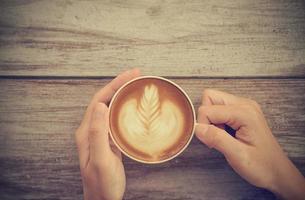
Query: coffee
x: 151, y: 119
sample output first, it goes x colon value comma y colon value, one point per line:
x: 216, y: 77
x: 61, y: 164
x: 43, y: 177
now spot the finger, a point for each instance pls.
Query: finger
x: 106, y: 93
x: 98, y: 132
x: 103, y: 95
x: 215, y: 97
x: 234, y: 116
x: 217, y: 138
x: 115, y: 149
x: 83, y: 149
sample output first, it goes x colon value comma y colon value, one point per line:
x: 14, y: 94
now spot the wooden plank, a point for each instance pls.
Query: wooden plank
x: 38, y: 158
x: 170, y: 38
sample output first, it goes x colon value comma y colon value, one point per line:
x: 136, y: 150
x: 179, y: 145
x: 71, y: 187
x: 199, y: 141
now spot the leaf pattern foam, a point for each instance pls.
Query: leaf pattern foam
x: 149, y: 125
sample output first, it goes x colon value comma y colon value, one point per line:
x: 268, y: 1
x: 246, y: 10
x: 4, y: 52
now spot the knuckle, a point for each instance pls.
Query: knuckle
x: 93, y: 130
x: 250, y: 111
x: 206, y: 92
x: 247, y: 108
x: 254, y: 104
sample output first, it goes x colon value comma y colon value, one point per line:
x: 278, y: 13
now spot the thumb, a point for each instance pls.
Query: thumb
x: 219, y: 139
x: 98, y: 132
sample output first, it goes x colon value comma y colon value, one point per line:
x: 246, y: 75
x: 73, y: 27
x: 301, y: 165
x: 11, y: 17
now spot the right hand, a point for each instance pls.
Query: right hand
x: 254, y: 153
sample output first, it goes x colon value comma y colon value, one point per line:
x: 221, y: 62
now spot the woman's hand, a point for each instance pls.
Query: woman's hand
x: 254, y: 153
x: 101, y: 164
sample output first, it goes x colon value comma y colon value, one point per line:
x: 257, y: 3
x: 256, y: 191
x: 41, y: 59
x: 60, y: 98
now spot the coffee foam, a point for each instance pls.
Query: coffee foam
x: 150, y: 125
x: 151, y: 120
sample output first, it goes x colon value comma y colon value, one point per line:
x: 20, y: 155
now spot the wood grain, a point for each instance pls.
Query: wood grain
x: 38, y: 158
x: 169, y: 38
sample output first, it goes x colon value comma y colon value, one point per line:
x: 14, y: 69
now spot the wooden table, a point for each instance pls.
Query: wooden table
x: 54, y: 55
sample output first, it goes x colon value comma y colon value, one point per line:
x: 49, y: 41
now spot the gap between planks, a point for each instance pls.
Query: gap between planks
x: 20, y: 77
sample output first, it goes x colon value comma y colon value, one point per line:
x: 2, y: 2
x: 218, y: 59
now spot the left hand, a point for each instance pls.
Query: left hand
x: 101, y: 164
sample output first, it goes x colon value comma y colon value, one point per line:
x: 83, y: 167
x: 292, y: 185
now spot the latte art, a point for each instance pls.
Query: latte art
x: 151, y: 119
x: 149, y: 124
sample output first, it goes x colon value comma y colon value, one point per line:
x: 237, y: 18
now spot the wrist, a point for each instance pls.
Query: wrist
x: 288, y: 182
x: 98, y: 195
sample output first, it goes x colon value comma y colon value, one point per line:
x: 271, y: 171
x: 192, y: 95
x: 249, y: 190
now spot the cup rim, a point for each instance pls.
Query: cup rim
x: 189, y: 139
